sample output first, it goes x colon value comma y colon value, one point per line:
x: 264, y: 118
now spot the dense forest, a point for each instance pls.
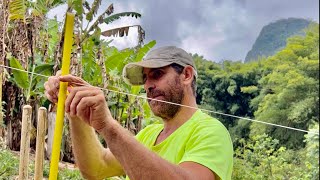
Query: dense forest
x: 282, y: 89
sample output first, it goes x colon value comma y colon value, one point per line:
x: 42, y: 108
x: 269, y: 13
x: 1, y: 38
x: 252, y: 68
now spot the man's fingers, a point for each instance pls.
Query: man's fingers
x: 52, y: 87
x: 73, y: 80
x: 82, y: 108
x: 52, y: 99
x: 75, y: 95
x: 53, y: 82
x: 58, y: 73
x: 78, y: 97
x: 88, y: 104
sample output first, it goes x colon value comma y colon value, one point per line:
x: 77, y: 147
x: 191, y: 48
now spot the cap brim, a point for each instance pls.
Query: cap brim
x: 133, y: 72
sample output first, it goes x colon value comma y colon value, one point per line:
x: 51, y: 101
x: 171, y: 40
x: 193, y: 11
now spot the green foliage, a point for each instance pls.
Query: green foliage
x: 93, y: 9
x: 19, y: 77
x: 70, y: 174
x: 114, y: 17
x: 17, y: 9
x: 221, y: 86
x: 78, y: 7
x: 123, y: 108
x: 42, y: 63
x: 143, y: 50
x: 32, y: 84
x: 289, y: 94
x: 312, y: 152
x: 249, y: 89
x: 262, y: 157
x: 24, y: 9
x: 8, y: 164
x: 282, y: 89
x: 104, y: 17
x: 52, y: 34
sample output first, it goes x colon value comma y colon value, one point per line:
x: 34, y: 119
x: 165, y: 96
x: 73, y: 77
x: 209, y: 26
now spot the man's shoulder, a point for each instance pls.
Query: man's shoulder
x: 152, y: 127
x: 148, y: 130
x: 202, y: 120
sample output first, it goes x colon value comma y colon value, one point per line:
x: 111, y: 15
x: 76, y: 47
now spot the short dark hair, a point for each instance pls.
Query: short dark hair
x: 178, y: 68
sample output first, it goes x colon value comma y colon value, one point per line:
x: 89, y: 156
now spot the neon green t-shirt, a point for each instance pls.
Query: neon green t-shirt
x: 202, y: 139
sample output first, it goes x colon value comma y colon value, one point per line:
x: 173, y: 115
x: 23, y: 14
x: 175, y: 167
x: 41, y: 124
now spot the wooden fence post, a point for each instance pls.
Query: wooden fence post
x: 25, y: 142
x: 41, y: 132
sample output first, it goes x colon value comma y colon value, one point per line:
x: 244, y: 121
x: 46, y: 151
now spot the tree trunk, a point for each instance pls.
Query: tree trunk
x: 4, y: 8
x: 12, y: 119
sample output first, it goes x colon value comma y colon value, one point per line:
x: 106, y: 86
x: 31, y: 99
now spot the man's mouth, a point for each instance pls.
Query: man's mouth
x: 155, y: 98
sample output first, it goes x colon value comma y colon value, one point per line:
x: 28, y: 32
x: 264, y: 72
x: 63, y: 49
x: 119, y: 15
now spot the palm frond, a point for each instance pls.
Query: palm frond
x: 77, y: 6
x: 114, y: 17
x: 94, y: 9
x: 100, y: 19
x: 17, y: 9
x: 109, y: 10
x: 86, y: 5
x: 122, y: 31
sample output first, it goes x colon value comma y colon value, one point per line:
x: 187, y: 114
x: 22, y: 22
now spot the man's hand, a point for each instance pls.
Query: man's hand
x: 83, y: 101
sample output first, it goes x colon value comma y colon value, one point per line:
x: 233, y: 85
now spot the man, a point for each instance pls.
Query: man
x: 189, y: 144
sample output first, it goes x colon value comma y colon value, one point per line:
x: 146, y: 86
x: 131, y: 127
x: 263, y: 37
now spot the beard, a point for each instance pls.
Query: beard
x: 173, y: 93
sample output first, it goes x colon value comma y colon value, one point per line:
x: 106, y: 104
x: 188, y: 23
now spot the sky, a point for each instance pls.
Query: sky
x: 216, y: 29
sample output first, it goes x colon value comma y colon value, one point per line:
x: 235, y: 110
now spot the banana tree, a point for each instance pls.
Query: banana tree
x: 23, y: 27
x: 4, y: 13
x: 89, y: 52
x: 127, y: 110
x: 87, y: 22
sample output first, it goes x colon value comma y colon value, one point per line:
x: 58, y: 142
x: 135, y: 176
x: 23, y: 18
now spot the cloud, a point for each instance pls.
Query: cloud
x: 216, y: 29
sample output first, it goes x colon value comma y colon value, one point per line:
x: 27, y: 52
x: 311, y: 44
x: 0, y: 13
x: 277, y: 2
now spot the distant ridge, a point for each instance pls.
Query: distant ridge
x: 273, y: 37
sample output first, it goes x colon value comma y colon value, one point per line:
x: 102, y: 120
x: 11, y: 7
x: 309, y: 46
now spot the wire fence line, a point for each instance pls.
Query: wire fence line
x: 205, y: 110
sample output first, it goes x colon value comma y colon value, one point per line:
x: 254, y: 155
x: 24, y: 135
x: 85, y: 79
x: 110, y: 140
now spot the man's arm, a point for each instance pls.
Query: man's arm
x: 141, y: 163
x: 88, y: 104
x: 93, y: 160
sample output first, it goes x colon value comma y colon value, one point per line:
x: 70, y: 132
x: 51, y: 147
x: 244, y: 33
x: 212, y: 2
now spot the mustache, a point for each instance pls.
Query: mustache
x: 155, y: 93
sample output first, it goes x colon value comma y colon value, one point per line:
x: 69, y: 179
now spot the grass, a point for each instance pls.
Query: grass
x: 9, y: 168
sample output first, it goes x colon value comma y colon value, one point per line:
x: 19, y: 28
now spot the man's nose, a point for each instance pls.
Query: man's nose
x: 149, y: 86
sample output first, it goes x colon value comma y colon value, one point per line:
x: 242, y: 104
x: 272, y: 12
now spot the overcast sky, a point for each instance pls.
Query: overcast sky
x: 216, y: 29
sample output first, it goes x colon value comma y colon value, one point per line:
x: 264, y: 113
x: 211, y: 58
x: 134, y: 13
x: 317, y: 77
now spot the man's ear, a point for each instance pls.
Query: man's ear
x: 188, y: 74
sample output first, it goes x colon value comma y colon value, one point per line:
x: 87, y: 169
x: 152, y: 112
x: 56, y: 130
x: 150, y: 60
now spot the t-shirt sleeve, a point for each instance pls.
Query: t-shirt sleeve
x: 141, y: 134
x: 211, y: 146
x: 146, y: 134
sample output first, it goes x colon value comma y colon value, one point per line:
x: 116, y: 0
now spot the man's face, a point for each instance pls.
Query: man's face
x: 163, y: 84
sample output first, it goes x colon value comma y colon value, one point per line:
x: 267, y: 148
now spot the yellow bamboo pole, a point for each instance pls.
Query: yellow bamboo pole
x: 67, y: 47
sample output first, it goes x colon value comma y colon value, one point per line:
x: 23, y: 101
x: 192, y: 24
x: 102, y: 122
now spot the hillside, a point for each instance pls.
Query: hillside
x: 273, y: 37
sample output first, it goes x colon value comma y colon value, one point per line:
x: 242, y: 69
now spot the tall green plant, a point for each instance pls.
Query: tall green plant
x: 89, y: 12
x: 122, y: 106
x: 31, y: 84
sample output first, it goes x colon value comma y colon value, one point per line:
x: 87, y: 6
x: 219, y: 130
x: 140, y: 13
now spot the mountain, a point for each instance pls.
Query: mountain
x: 273, y: 37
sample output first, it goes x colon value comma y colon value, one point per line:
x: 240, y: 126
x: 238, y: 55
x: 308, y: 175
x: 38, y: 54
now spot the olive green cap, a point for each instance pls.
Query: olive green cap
x: 157, y: 58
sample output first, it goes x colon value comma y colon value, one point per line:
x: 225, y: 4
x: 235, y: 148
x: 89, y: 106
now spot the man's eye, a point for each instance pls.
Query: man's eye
x: 144, y: 78
x: 157, y: 74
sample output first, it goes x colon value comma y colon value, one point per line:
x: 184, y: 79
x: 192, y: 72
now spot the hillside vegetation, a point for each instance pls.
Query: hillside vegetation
x: 273, y: 37
x: 282, y: 89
